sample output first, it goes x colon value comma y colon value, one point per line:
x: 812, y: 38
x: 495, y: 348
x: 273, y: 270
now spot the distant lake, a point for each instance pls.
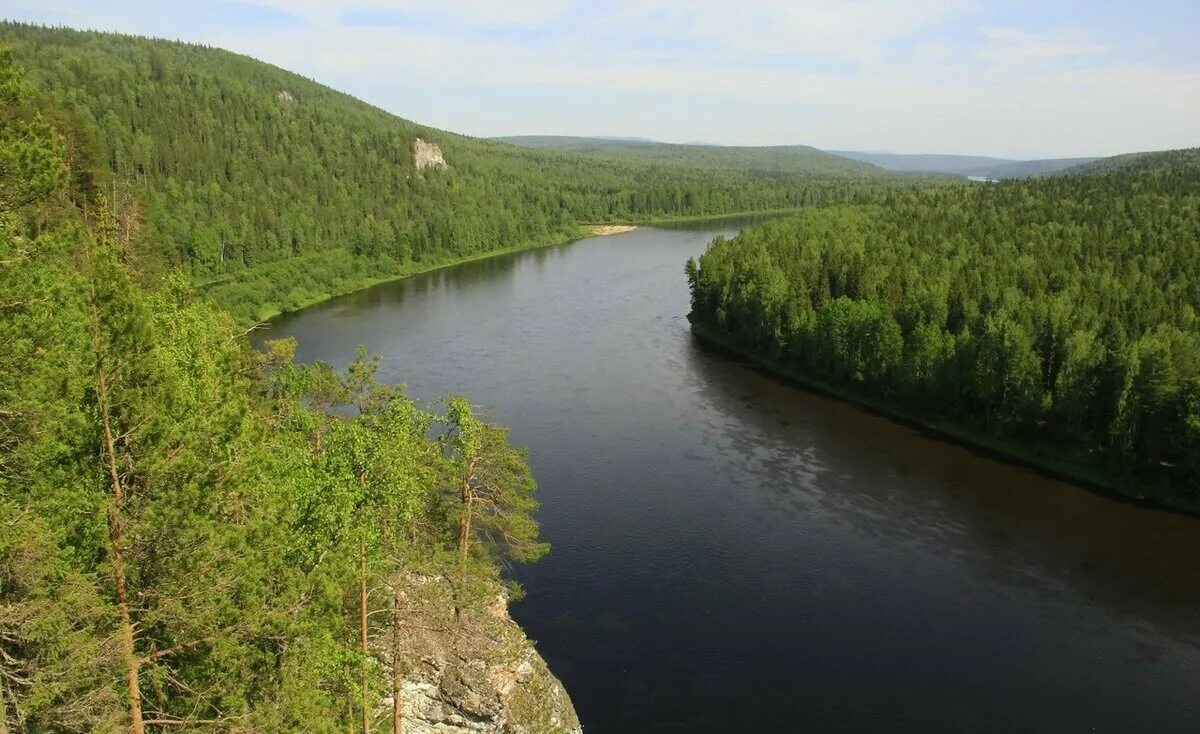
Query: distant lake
x: 731, y: 554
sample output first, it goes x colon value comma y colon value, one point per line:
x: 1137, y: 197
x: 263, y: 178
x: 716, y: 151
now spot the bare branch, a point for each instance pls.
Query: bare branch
x: 177, y: 648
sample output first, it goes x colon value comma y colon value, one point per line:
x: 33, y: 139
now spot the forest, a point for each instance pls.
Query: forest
x: 195, y: 535
x: 1052, y: 318
x: 272, y: 191
x: 777, y: 160
x: 198, y: 535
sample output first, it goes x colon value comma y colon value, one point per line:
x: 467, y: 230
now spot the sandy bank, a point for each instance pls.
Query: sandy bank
x: 603, y: 229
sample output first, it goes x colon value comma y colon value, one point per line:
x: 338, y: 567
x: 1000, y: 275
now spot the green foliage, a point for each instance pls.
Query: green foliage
x: 1058, y: 313
x: 185, y: 524
x: 778, y: 160
x: 31, y: 156
x: 490, y: 488
x: 1149, y: 161
x: 278, y: 191
x: 56, y: 661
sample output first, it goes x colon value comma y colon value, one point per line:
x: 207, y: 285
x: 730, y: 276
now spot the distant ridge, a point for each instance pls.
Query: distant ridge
x: 1148, y: 161
x: 791, y: 160
x: 795, y: 159
x: 964, y: 165
x: 272, y: 191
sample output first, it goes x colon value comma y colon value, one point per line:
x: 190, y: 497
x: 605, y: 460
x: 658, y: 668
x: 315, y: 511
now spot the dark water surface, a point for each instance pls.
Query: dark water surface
x: 732, y: 554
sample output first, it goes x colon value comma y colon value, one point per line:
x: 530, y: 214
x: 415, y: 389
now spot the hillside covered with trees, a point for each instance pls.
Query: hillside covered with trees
x: 198, y: 536
x: 965, y: 165
x: 1148, y: 161
x: 1052, y: 318
x: 272, y: 191
x: 775, y: 160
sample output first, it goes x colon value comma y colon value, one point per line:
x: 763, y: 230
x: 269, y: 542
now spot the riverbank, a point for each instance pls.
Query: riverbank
x: 257, y: 295
x: 866, y: 514
x: 1092, y: 477
x: 423, y: 268
x: 288, y: 286
x: 685, y: 219
x: 603, y: 230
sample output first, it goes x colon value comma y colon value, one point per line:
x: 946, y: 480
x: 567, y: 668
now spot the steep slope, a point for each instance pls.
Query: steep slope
x: 275, y: 191
x: 198, y: 536
x: 778, y: 160
x: 475, y: 672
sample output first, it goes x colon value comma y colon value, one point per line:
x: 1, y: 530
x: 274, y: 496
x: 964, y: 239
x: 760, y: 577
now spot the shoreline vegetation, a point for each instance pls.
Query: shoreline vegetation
x: 1091, y: 477
x: 1051, y: 320
x: 329, y: 195
x: 418, y: 269
x: 745, y: 214
x: 585, y: 232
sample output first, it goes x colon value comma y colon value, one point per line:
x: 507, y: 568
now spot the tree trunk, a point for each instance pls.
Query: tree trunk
x: 116, y: 529
x: 362, y: 628
x: 464, y: 520
x: 127, y: 652
x: 116, y: 540
x: 464, y: 528
x: 397, y: 662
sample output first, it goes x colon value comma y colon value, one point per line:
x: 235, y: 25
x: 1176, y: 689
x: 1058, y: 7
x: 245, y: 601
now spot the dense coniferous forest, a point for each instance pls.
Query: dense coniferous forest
x: 965, y: 165
x: 1150, y: 161
x: 273, y: 191
x: 777, y: 160
x: 1052, y: 317
x: 195, y: 535
x: 198, y: 535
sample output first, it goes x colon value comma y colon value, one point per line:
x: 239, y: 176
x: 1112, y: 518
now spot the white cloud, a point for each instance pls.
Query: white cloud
x: 936, y: 51
x: 486, y: 13
x: 945, y: 108
x: 842, y: 29
x: 883, y: 74
x: 1016, y: 46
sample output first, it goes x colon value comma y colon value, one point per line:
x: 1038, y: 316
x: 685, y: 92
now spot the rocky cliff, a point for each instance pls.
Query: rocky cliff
x: 427, y: 154
x: 469, y: 669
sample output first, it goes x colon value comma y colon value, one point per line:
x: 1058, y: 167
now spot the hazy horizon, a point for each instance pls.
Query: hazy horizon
x: 864, y: 151
x: 1061, y: 78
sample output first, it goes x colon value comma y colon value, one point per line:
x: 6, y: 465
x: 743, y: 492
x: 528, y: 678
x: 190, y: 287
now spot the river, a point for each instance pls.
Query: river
x: 732, y: 554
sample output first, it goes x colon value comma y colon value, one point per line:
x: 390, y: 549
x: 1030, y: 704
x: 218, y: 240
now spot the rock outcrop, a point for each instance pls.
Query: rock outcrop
x: 427, y: 154
x: 473, y: 671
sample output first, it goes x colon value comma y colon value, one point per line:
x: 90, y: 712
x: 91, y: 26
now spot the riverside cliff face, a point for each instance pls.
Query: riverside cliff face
x: 473, y: 670
x: 427, y: 154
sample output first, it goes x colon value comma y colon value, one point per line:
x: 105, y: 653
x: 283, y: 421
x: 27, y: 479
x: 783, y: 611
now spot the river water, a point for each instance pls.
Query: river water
x: 734, y: 554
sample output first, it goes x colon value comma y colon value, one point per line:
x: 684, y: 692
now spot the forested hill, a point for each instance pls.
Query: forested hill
x: 1162, y: 160
x: 964, y: 165
x: 195, y: 536
x: 779, y: 160
x: 277, y: 191
x: 1054, y: 318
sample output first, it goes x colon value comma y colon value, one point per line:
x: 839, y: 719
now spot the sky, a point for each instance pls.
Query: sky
x: 1011, y: 78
